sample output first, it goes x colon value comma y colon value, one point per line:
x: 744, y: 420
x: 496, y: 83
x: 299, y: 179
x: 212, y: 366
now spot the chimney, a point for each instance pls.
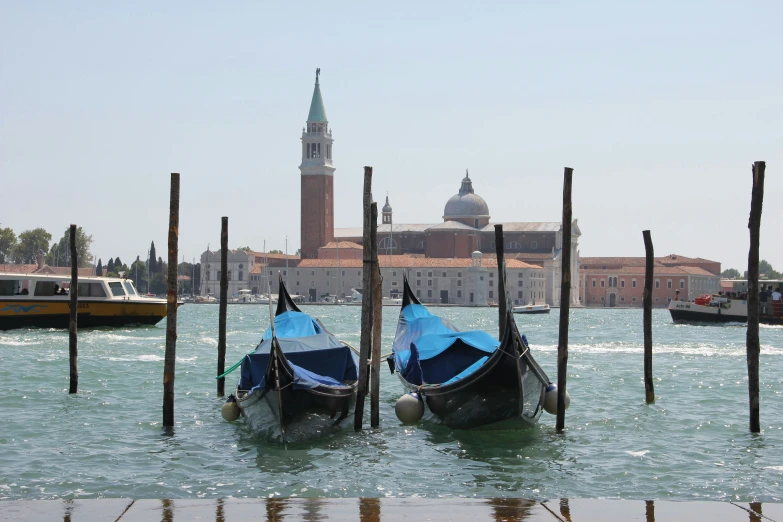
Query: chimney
x: 40, y: 259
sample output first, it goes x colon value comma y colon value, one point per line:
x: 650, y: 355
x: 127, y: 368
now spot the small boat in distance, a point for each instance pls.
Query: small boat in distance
x: 531, y: 309
x: 44, y: 301
x: 300, y: 382
x: 466, y: 379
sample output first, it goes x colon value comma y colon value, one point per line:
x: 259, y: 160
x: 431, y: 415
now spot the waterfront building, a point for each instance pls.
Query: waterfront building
x: 240, y: 264
x: 619, y: 281
x: 460, y: 281
x: 466, y: 228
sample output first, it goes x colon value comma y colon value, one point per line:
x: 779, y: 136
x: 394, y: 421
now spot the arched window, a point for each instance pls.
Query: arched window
x: 513, y: 245
x: 534, y: 244
x: 387, y: 243
x: 420, y: 245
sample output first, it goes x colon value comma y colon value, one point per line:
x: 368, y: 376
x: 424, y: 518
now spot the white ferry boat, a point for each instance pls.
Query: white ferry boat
x: 720, y: 309
x: 29, y: 300
x: 531, y: 309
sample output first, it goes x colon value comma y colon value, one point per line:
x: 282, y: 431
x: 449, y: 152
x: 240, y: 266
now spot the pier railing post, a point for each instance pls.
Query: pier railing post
x: 73, y: 350
x: 170, y: 358
x: 565, y: 301
x: 377, y: 303
x: 752, y: 335
x: 366, y: 332
x: 221, y: 362
x: 649, y: 390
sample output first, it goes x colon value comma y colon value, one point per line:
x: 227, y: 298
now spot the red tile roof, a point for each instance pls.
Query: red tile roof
x: 343, y: 244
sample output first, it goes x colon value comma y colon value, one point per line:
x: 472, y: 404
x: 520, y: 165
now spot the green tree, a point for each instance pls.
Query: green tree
x: 117, y: 262
x: 767, y: 272
x: 153, y: 266
x: 7, y: 244
x: 30, y: 243
x: 99, y: 268
x: 161, y: 266
x: 730, y: 273
x: 245, y: 249
x: 110, y: 267
x: 60, y: 253
x: 138, y: 272
x: 275, y: 252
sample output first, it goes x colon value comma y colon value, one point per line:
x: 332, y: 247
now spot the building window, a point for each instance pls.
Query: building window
x: 429, y: 282
x: 492, y: 274
x: 657, y: 299
x: 459, y: 274
x: 492, y: 283
x: 240, y: 276
x: 394, y: 283
x: 429, y: 293
x: 602, y: 299
x: 394, y: 274
x: 218, y: 274
x: 297, y: 272
x: 459, y: 282
x: 328, y: 273
x: 444, y: 274
x: 622, y: 283
x: 657, y: 283
x: 387, y: 243
x: 520, y: 283
x: 297, y: 283
x: 602, y: 283
x: 519, y: 295
x: 418, y: 274
x: 491, y: 294
x: 633, y: 285
x: 459, y: 293
x: 418, y: 282
x: 593, y: 283
x: 622, y: 299
x: 669, y: 283
x: 312, y: 273
x: 343, y: 273
x: 418, y: 293
x: 682, y: 283
x: 633, y: 299
x: 519, y: 274
x: 429, y: 274
x: 327, y: 283
x: 534, y: 244
x: 513, y: 245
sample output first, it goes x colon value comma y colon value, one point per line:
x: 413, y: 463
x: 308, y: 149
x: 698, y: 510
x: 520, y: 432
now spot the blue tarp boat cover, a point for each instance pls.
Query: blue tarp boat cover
x: 430, y: 350
x: 316, y: 356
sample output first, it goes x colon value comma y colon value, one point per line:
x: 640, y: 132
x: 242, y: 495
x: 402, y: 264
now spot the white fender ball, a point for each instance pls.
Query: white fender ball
x: 230, y: 409
x: 409, y: 408
x: 550, y: 399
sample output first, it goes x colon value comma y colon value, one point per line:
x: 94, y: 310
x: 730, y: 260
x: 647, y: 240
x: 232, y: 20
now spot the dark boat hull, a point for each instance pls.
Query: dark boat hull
x: 290, y: 415
x: 486, y: 400
x: 61, y: 321
x: 690, y: 316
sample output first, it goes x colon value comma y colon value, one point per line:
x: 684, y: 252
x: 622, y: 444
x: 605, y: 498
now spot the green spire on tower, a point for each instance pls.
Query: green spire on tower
x: 317, y: 111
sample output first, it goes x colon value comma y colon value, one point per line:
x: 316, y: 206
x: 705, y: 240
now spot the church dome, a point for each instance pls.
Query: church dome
x: 466, y: 204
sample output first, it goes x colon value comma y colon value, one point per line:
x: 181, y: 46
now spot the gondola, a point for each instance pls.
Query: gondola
x: 300, y: 382
x: 466, y: 379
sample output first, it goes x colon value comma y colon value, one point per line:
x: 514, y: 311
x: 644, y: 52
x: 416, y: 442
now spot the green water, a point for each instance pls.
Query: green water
x: 107, y: 441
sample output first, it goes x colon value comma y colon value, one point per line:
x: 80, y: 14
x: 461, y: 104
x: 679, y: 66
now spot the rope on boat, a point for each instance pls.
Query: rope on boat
x: 359, y: 353
x: 237, y: 365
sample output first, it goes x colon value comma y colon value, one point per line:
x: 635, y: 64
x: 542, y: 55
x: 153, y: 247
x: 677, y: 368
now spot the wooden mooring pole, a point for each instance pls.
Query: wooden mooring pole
x: 565, y: 302
x: 170, y: 358
x: 502, y: 297
x: 73, y: 351
x: 649, y: 390
x: 752, y: 335
x: 366, y: 325
x: 221, y: 362
x: 377, y: 304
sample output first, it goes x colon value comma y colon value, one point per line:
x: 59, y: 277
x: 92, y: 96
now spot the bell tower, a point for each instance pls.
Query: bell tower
x: 317, y: 171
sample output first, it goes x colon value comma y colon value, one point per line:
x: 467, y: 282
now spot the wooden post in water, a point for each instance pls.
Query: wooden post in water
x: 649, y: 390
x: 752, y: 335
x: 377, y: 303
x: 502, y: 298
x: 221, y: 362
x: 366, y: 333
x: 565, y: 301
x: 171, y: 306
x: 73, y: 351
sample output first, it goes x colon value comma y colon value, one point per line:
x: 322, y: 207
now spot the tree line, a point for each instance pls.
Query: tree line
x: 765, y: 272
x: 24, y: 249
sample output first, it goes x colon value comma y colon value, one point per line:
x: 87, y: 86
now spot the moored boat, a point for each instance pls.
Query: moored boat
x: 300, y: 383
x: 43, y: 301
x: 531, y: 309
x: 466, y: 379
x: 720, y: 309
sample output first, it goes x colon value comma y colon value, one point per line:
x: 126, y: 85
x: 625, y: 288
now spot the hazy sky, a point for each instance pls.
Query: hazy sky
x: 660, y: 108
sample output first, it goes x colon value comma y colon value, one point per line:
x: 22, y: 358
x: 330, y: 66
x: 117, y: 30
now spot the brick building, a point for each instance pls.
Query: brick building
x: 619, y: 281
